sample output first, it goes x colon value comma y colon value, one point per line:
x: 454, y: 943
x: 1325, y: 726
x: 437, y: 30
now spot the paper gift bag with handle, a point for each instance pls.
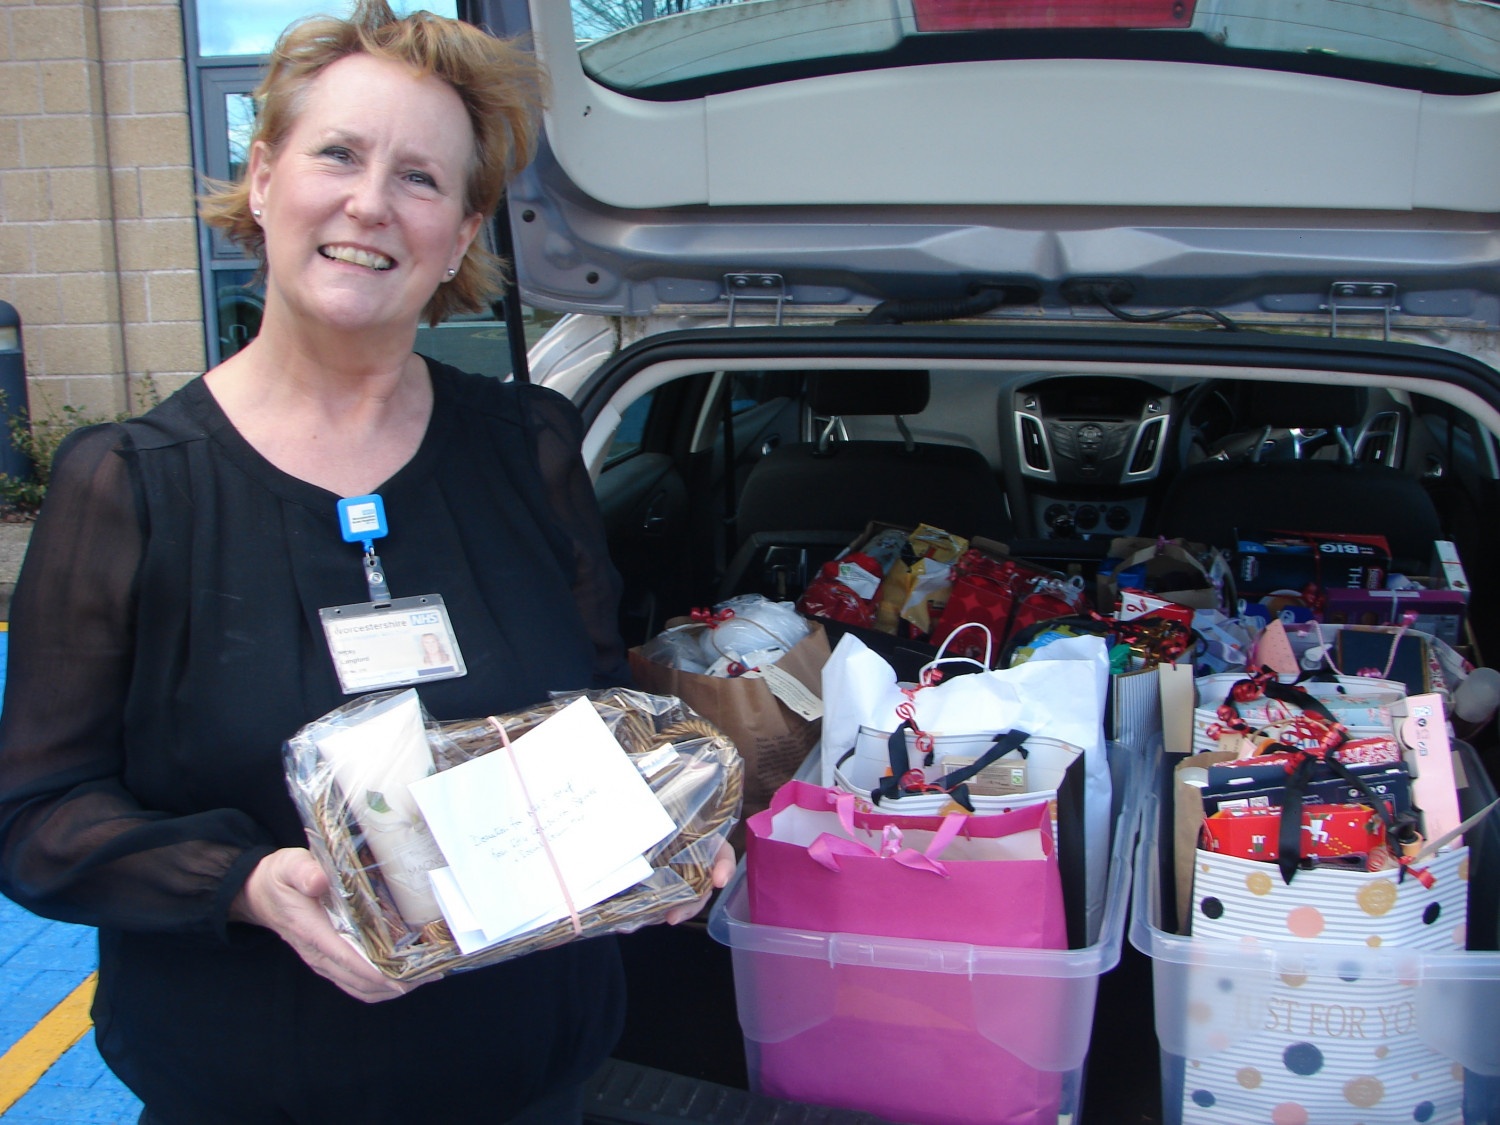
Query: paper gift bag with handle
x: 772, y: 739
x: 815, y: 862
x: 1059, y: 693
x: 1054, y: 774
x: 936, y: 1047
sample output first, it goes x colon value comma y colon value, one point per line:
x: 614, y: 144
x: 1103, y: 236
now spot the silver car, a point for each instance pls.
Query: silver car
x: 1046, y: 272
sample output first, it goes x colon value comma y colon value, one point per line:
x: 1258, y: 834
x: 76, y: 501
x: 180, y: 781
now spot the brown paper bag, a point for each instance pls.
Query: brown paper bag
x: 1187, y: 824
x: 771, y: 737
x: 1162, y: 558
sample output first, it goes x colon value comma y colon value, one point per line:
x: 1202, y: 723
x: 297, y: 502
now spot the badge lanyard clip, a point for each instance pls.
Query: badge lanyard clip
x: 362, y: 520
x: 380, y: 591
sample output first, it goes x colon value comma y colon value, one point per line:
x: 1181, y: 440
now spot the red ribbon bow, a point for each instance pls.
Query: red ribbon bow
x: 710, y: 618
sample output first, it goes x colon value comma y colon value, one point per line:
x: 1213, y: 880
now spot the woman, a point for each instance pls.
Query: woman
x: 166, y: 631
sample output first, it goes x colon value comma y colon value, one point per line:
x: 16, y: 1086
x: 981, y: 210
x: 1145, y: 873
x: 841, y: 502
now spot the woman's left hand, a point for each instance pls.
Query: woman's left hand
x: 723, y: 869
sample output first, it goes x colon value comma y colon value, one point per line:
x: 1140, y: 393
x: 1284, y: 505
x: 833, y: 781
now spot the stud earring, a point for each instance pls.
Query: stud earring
x: 256, y: 212
x: 452, y: 272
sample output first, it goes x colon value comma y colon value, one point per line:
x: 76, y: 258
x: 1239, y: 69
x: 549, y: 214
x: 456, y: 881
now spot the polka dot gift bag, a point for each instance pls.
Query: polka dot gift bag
x: 1333, y: 1037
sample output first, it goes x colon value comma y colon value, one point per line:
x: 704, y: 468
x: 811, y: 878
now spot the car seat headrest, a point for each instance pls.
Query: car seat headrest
x: 1307, y: 406
x: 849, y: 393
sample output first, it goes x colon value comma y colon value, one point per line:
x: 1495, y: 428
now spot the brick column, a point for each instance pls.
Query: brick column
x: 97, y: 247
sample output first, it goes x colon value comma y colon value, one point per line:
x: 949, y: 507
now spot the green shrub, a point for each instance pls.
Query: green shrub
x: 38, y: 438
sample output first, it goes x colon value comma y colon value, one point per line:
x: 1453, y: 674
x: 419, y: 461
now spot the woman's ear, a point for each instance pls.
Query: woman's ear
x: 259, y: 176
x: 467, y: 230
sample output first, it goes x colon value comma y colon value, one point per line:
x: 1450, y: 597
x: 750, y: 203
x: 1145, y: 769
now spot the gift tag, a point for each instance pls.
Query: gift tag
x: 998, y: 779
x: 790, y: 690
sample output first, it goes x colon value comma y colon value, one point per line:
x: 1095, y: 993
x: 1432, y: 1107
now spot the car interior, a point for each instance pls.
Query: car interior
x: 747, y: 478
x: 1053, y: 461
x: 1053, y: 464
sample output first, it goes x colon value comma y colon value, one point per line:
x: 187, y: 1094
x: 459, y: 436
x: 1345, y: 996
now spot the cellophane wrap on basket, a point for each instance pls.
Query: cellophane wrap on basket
x: 378, y: 841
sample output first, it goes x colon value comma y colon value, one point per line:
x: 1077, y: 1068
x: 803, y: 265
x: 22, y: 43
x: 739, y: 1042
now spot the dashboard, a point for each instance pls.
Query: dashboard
x: 1087, y: 448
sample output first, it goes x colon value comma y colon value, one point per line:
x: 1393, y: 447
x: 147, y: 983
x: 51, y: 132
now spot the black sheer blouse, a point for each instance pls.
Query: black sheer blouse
x: 165, y: 642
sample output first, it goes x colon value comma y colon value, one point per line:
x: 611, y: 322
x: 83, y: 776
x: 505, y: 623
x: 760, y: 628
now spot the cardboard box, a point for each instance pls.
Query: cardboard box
x: 1439, y: 612
x: 1295, y: 560
x: 1229, y: 788
x: 1446, y: 568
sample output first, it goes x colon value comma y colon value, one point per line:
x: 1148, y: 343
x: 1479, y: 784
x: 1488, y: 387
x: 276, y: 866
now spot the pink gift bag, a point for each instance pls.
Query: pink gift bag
x: 814, y: 862
x: 927, y: 1047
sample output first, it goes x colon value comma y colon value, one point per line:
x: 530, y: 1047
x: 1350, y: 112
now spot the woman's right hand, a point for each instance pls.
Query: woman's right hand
x: 283, y: 894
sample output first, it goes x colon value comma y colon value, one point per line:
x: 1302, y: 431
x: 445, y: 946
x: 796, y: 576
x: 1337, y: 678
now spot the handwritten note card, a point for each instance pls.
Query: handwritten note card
x: 594, y: 808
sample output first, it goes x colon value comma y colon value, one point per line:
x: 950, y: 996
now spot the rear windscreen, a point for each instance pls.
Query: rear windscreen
x: 666, y: 49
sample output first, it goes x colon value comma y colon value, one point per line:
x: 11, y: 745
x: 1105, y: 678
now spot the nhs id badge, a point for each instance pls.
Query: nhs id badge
x: 407, y: 641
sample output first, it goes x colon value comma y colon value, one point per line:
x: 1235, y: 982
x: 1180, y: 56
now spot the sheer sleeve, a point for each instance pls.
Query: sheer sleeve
x: 558, y: 433
x: 74, y: 843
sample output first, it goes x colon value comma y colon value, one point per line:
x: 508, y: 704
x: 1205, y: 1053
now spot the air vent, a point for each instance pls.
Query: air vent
x: 1033, y: 447
x: 1378, y: 442
x: 1147, y: 447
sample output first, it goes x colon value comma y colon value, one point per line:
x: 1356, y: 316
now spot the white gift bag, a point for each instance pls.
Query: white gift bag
x: 1058, y: 694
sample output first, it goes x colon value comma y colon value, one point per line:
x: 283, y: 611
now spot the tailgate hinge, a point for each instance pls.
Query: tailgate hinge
x: 1361, y: 297
x: 755, y: 287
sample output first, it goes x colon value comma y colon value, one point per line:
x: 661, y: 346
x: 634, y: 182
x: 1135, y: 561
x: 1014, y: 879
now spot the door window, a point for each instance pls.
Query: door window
x: 232, y: 40
x: 631, y: 433
x: 234, y: 28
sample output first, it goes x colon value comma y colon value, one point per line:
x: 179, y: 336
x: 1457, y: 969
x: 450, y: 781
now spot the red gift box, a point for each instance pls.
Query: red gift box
x: 1328, y: 832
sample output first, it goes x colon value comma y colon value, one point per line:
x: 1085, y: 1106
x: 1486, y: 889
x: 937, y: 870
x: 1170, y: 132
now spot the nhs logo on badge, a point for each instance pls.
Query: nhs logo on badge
x: 428, y: 618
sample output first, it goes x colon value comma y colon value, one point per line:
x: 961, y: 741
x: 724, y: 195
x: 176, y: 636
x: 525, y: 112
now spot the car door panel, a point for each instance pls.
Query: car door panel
x: 644, y: 503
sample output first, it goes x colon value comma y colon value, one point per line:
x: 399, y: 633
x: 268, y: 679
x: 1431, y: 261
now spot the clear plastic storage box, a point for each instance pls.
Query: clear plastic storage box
x: 1288, y: 1032
x: 1019, y: 1019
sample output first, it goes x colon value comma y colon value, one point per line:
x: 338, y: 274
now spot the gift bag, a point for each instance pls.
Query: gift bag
x: 969, y: 1049
x: 1052, y: 773
x: 816, y: 862
x: 1337, y: 1034
x: 1366, y: 706
x: 1004, y: 595
x: 772, y: 739
x: 1058, y: 694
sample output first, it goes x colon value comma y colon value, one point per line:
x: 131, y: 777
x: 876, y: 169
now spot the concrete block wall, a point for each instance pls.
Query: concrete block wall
x: 98, y: 249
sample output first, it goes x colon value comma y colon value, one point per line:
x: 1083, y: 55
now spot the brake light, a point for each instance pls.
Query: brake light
x: 990, y: 15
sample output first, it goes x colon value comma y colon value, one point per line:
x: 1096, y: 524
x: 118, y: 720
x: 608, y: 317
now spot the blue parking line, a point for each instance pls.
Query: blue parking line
x: 41, y: 962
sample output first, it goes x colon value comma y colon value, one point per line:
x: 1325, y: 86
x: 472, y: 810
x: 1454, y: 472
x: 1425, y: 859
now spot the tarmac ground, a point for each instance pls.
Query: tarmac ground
x: 50, y: 1070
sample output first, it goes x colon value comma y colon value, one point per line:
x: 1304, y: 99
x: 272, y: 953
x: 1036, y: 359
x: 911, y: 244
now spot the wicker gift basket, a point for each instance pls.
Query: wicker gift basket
x: 693, y: 770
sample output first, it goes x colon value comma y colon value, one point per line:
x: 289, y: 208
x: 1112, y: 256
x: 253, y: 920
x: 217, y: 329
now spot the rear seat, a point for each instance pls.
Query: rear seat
x: 1215, y: 501
x: 802, y: 503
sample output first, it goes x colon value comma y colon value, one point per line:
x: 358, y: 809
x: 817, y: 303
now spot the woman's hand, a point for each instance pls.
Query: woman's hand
x: 282, y: 894
x: 723, y: 870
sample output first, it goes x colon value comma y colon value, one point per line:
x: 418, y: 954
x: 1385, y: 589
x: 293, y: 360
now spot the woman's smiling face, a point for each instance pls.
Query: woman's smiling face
x: 362, y: 203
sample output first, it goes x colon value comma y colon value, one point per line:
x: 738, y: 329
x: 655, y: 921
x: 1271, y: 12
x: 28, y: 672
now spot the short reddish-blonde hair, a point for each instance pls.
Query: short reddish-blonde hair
x: 502, y: 86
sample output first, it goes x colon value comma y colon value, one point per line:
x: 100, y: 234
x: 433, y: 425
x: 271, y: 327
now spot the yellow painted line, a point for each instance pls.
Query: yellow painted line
x: 44, y: 1044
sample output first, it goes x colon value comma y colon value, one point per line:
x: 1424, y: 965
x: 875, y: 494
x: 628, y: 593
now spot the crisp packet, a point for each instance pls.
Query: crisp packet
x: 365, y: 829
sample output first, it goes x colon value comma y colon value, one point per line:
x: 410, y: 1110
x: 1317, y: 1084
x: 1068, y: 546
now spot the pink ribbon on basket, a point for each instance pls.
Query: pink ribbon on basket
x: 828, y: 847
x: 562, y: 884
